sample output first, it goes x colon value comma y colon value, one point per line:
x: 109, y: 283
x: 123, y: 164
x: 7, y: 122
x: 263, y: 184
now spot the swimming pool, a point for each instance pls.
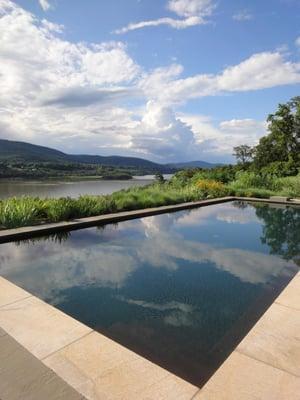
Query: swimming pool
x: 181, y: 289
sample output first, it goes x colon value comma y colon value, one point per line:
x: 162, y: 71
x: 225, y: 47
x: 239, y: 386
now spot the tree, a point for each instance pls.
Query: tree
x: 159, y: 177
x: 243, y: 153
x: 283, y: 141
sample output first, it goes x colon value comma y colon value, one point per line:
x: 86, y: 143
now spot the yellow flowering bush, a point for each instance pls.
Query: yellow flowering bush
x: 211, y: 188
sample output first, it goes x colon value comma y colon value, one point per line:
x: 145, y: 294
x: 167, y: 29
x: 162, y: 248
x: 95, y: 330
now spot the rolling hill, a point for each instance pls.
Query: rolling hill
x: 26, y: 152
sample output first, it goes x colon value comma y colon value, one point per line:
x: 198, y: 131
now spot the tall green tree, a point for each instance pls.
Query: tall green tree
x: 243, y: 153
x: 283, y: 141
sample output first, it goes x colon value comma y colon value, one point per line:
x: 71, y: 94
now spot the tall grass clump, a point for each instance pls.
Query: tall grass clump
x: 89, y: 206
x: 153, y: 196
x: 67, y: 208
x: 22, y: 211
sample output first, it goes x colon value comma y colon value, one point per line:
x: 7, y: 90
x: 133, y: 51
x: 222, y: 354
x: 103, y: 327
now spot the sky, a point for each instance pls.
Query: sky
x: 166, y: 80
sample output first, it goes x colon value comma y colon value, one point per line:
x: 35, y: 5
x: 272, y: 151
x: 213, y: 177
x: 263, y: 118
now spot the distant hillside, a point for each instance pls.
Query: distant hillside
x: 193, y: 164
x: 26, y: 152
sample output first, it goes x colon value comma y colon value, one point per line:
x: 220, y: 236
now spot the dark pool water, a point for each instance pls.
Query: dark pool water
x: 181, y: 289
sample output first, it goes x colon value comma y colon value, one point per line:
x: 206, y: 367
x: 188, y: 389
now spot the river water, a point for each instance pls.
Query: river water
x: 51, y: 188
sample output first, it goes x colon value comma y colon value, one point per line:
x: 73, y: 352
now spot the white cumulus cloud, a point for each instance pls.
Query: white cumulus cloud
x: 189, y: 8
x: 193, y: 12
x: 160, y: 132
x: 45, y: 5
x: 259, y: 71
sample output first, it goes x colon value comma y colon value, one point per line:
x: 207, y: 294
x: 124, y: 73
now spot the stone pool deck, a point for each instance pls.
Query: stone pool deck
x: 45, y: 354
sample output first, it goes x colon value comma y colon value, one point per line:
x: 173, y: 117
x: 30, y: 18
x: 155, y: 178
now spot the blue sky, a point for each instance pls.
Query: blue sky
x: 165, y: 80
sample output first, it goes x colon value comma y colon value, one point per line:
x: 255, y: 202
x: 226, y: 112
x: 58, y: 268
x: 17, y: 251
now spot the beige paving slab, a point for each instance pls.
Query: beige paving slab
x: 24, y: 377
x: 39, y: 327
x: 10, y: 293
x: 243, y: 378
x: 2, y: 332
x: 100, y: 368
x: 128, y: 382
x: 275, y: 339
x: 87, y: 358
x: 169, y: 388
x: 290, y: 297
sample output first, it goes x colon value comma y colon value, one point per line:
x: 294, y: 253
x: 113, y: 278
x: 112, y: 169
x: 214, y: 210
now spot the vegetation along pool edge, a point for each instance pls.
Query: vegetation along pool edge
x: 8, y: 235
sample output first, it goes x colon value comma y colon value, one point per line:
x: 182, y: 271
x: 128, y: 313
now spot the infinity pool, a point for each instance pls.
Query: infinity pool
x: 181, y: 289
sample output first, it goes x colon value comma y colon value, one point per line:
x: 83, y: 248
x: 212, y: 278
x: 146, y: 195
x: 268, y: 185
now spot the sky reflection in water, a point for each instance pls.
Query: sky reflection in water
x: 181, y: 289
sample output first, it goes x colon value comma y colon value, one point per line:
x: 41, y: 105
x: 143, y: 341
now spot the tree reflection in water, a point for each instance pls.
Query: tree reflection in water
x: 281, y: 230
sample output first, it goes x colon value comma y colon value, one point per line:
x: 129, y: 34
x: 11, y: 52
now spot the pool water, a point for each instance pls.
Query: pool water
x: 181, y: 289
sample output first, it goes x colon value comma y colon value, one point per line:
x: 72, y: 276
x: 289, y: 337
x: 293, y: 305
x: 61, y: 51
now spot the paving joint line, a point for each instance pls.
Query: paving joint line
x: 66, y: 345
x: 264, y: 362
x: 285, y: 306
x: 15, y: 301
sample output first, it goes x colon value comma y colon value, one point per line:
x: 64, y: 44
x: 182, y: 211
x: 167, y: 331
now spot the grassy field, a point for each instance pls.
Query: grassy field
x: 184, y: 186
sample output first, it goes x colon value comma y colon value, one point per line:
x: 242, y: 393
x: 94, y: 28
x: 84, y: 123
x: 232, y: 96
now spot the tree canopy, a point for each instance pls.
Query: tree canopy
x: 282, y: 144
x: 243, y: 153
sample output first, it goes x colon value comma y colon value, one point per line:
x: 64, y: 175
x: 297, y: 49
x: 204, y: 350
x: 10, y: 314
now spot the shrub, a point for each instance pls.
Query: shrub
x: 280, y: 169
x: 211, y: 188
x: 251, y: 192
x: 289, y: 186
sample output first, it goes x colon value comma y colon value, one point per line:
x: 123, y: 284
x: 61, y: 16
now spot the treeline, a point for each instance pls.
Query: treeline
x: 44, y: 170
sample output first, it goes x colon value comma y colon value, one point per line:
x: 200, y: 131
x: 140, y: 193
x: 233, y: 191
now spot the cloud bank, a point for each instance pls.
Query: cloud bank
x: 95, y: 98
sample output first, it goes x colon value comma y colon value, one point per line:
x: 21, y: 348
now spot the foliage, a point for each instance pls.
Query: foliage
x: 24, y: 211
x: 211, y: 188
x: 224, y: 174
x: 20, y: 211
x: 283, y: 141
x: 159, y: 177
x: 280, y: 169
x: 243, y: 153
x: 251, y: 179
x: 287, y: 186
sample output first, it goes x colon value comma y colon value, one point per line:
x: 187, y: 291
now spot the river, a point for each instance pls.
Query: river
x: 53, y: 188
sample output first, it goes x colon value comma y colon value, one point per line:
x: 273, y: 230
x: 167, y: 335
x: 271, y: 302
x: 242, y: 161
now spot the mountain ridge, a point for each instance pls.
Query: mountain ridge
x: 27, y: 152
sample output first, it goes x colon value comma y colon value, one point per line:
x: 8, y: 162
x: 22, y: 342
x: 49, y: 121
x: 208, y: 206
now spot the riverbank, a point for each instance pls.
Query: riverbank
x: 67, y: 188
x: 17, y: 212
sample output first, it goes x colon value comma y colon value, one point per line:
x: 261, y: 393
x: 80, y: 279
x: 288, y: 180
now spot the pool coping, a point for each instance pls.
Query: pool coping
x: 95, y: 366
x: 265, y: 364
x: 99, y: 368
x: 8, y: 235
